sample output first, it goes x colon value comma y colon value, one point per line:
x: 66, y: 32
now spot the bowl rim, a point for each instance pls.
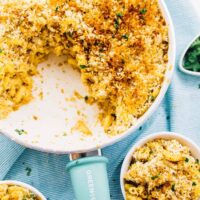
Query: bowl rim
x: 165, y: 135
x: 181, y: 67
x: 24, y: 185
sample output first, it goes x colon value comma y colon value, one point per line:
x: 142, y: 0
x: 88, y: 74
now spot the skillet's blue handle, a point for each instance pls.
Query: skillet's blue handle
x: 89, y: 178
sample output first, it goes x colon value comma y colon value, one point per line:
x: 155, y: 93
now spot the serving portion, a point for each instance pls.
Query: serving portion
x: 163, y: 166
x: 16, y: 192
x: 119, y: 47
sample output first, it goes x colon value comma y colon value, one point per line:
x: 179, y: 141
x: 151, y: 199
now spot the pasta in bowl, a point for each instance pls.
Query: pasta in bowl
x: 15, y: 190
x: 163, y: 166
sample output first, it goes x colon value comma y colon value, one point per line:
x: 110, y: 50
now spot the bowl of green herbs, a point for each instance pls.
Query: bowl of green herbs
x: 190, y: 60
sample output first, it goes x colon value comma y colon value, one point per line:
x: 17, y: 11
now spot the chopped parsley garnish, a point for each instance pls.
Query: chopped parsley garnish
x: 116, y: 24
x: 143, y: 11
x: 64, y: 134
x: 191, y: 59
x: 83, y: 66
x: 28, y: 171
x: 186, y: 159
x: 152, y: 98
x: 114, y: 116
x: 154, y: 177
x: 119, y: 15
x: 101, y: 50
x: 57, y: 8
x: 1, y: 50
x: 173, y: 188
x: 21, y: 132
x: 194, y: 184
x: 33, y: 196
x: 86, y: 98
x: 70, y: 33
x: 125, y: 36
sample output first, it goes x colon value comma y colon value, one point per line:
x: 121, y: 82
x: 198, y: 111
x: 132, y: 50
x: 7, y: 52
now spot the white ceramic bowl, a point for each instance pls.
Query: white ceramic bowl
x: 181, y: 67
x: 164, y: 135
x: 24, y: 185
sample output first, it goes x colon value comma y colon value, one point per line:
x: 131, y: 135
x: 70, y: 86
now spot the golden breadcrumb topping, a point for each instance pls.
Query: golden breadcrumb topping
x: 163, y: 170
x: 120, y: 48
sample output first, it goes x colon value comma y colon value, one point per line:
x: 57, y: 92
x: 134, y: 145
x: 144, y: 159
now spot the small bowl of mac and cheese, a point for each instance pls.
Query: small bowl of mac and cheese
x: 163, y: 166
x: 16, y: 190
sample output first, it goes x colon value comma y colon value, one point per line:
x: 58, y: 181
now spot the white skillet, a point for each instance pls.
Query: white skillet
x: 48, y: 122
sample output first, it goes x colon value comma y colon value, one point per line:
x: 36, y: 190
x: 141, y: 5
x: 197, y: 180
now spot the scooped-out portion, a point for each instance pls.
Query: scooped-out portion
x: 120, y: 48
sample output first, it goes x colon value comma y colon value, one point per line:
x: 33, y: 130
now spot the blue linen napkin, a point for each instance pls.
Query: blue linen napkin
x: 179, y: 112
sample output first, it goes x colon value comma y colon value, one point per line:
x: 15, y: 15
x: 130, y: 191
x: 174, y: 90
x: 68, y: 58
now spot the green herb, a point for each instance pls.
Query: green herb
x: 33, y: 196
x: 64, y: 134
x: 152, y: 98
x: 119, y: 15
x: 101, y: 50
x: 28, y: 171
x: 116, y: 23
x: 83, y: 66
x: 154, y: 177
x: 186, y: 159
x: 57, y: 8
x: 21, y: 132
x: 70, y: 33
x: 191, y: 59
x: 143, y: 11
x: 173, y: 188
x: 194, y: 184
x: 86, y: 98
x: 125, y: 36
x: 1, y: 51
x: 30, y: 196
x: 114, y: 116
x: 197, y: 161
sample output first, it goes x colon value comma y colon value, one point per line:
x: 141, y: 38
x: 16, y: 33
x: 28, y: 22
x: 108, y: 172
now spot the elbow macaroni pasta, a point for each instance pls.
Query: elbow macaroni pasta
x: 13, y: 192
x: 163, y: 170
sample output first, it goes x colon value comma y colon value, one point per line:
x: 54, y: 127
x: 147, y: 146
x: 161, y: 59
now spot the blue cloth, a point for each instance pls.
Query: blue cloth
x: 179, y: 112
